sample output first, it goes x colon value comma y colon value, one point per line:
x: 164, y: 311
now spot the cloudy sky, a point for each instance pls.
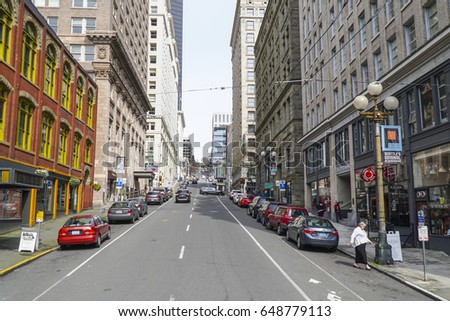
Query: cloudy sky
x: 206, y: 65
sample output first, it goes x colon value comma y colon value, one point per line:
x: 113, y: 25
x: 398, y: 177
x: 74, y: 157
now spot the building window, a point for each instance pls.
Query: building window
x: 442, y: 97
x: 24, y: 124
x: 76, y: 151
x: 335, y: 63
x: 90, y: 111
x: 46, y: 135
x: 85, y: 3
x: 88, y: 152
x: 344, y: 93
x: 3, y: 98
x: 6, y: 20
x: 50, y: 71
x: 66, y: 80
x: 392, y: 52
x: 251, y: 102
x: 153, y: 34
x: 83, y: 52
x: 365, y: 75
x: 79, y: 99
x: 250, y: 50
x: 153, y: 46
x: 250, y: 76
x: 410, y: 37
x: 362, y: 32
x: 431, y: 20
x: 389, y: 10
x: 250, y: 89
x: 412, y: 121
x: 154, y: 22
x: 342, y: 152
x: 250, y: 63
x: 152, y: 72
x: 426, y: 105
x: 378, y: 66
x: 250, y: 37
x: 29, y: 49
x: 63, y: 140
x: 250, y: 25
x: 351, y: 35
x: 82, y: 25
x: 354, y: 84
x: 375, y: 19
x: 343, y: 54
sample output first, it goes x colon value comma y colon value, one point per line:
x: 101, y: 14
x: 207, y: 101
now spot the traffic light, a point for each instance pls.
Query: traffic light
x: 160, y: 178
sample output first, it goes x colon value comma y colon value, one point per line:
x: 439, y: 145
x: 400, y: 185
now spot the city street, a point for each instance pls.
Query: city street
x: 205, y: 250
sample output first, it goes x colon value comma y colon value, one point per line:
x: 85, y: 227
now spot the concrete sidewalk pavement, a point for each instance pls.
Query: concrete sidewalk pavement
x: 410, y: 271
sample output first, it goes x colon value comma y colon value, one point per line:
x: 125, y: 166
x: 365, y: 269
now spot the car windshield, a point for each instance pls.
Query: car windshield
x: 297, y: 213
x: 153, y: 193
x: 317, y: 222
x: 79, y: 221
x: 121, y: 205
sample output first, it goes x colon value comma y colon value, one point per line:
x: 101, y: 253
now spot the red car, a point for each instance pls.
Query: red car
x: 83, y: 229
x: 265, y: 209
x: 284, y: 215
x: 245, y: 200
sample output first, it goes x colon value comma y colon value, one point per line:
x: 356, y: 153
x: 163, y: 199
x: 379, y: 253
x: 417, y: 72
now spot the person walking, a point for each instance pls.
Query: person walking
x: 359, y: 240
x: 320, y: 210
x: 337, y: 211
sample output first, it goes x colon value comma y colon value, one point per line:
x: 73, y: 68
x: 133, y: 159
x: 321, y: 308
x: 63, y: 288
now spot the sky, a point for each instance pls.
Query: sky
x: 206, y: 66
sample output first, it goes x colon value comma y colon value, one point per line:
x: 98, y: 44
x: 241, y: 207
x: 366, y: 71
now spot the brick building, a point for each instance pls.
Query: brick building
x: 47, y: 121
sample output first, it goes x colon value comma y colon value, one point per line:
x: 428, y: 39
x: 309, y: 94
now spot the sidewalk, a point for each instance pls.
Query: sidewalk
x: 409, y: 271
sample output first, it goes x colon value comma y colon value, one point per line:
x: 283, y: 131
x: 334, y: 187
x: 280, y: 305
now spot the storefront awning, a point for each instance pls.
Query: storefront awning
x: 144, y: 174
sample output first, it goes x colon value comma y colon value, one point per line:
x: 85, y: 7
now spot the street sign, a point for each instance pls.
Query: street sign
x: 368, y: 174
x: 282, y: 187
x: 420, y: 218
x: 423, y: 233
x: 268, y: 185
x: 40, y: 217
x: 119, y: 182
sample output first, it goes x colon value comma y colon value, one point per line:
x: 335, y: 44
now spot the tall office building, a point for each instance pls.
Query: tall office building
x: 220, y: 122
x: 247, y: 21
x: 110, y: 40
x: 163, y: 139
x: 177, y: 14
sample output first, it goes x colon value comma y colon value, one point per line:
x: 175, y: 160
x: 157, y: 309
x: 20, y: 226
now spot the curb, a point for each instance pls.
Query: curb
x: 26, y: 261
x: 417, y: 288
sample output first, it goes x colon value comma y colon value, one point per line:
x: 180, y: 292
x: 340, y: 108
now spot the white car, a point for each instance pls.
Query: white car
x: 231, y: 195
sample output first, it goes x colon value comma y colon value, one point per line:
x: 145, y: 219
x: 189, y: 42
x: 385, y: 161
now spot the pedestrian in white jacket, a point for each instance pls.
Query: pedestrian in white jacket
x: 359, y: 240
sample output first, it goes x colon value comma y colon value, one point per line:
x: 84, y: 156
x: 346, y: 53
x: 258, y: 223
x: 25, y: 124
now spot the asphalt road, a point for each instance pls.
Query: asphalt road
x: 206, y: 250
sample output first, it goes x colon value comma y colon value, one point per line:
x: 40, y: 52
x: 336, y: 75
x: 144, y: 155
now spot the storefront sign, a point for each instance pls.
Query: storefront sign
x: 421, y: 195
x: 392, y: 157
x: 368, y: 174
x: 28, y: 241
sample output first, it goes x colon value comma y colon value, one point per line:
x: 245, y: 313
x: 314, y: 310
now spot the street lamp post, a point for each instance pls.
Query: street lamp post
x: 383, y: 251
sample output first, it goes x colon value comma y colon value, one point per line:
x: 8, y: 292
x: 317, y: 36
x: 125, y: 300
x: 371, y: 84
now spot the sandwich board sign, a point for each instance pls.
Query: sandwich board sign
x: 28, y: 241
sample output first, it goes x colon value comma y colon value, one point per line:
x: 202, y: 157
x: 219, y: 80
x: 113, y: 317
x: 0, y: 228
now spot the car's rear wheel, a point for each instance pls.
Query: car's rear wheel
x: 108, y: 235
x: 99, y: 241
x: 279, y: 230
x: 287, y: 235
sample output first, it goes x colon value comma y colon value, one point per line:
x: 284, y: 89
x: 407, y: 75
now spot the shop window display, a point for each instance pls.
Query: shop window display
x: 10, y: 204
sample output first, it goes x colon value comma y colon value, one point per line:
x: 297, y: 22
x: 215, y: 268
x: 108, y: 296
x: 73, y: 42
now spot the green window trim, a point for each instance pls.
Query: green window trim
x: 90, y: 111
x: 29, y: 51
x: 46, y: 135
x: 79, y: 100
x: 65, y: 95
x: 24, y: 124
x: 63, y: 139
x: 6, y: 19
x: 76, y: 151
x: 3, y: 98
x: 50, y: 71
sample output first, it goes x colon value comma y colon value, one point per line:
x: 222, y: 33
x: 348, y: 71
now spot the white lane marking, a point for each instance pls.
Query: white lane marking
x: 286, y: 276
x: 333, y: 297
x: 95, y: 254
x: 325, y: 272
x: 190, y: 216
x: 314, y: 281
x: 182, y: 252
x: 187, y: 228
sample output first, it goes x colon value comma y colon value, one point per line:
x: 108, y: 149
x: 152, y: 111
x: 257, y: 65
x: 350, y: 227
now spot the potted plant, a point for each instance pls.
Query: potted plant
x: 96, y: 187
x: 73, y: 181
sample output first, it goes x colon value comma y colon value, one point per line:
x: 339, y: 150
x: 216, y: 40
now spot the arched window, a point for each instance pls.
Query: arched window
x: 66, y: 80
x: 3, y: 104
x: 90, y: 111
x: 24, y: 124
x: 5, y: 29
x: 29, y: 48
x: 50, y: 71
x: 79, y: 100
x: 63, y: 140
x: 88, y: 151
x: 46, y: 135
x: 76, y: 151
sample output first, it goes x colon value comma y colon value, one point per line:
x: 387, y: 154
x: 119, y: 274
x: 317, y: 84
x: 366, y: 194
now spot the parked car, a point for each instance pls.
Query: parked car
x: 170, y: 192
x: 163, y: 191
x: 267, y: 208
x: 252, y: 205
x: 231, y: 194
x: 182, y: 195
x: 141, y: 205
x: 154, y: 197
x: 210, y: 191
x: 123, y: 211
x: 245, y: 200
x: 237, y: 197
x: 260, y: 200
x: 83, y: 229
x: 314, y: 231
x: 284, y: 215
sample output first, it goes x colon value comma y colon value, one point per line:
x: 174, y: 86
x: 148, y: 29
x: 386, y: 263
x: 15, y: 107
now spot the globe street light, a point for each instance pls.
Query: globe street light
x: 383, y: 251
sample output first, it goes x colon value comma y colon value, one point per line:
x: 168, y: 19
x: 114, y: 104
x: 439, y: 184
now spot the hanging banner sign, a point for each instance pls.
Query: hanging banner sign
x: 273, y: 168
x: 368, y: 174
x: 391, y: 138
x: 392, y: 157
